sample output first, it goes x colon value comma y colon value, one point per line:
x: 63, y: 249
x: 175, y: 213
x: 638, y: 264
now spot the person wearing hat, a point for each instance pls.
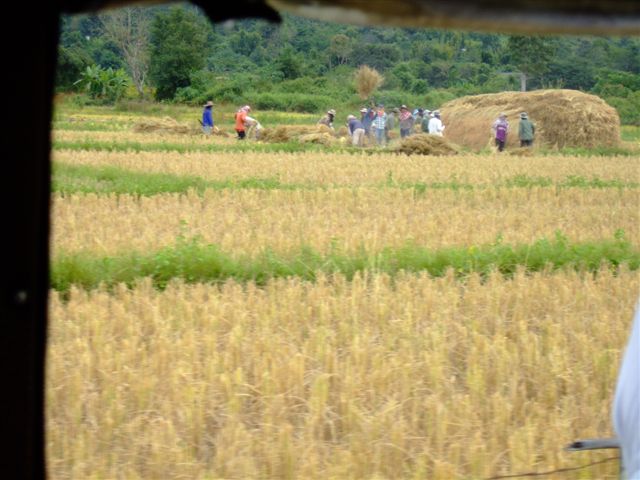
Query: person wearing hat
x: 241, y: 120
x: 406, y: 121
x: 328, y: 119
x: 500, y: 129
x: 426, y: 116
x: 356, y: 129
x: 435, y: 125
x: 526, y: 130
x: 368, y: 115
x: 207, y: 118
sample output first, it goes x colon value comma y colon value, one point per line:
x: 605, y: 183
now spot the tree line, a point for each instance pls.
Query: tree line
x: 173, y: 53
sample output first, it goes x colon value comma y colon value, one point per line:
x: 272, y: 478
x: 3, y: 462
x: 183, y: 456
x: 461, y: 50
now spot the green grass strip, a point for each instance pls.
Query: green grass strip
x: 69, y: 179
x: 196, y: 262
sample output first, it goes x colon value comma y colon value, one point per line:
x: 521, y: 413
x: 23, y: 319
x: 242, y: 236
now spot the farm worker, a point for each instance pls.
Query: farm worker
x: 241, y: 116
x: 526, y: 130
x: 379, y: 125
x: 500, y: 129
x: 356, y: 129
x: 391, y: 123
x: 366, y: 120
x: 418, y: 116
x: 435, y: 125
x: 425, y: 121
x: 328, y: 119
x: 626, y: 404
x: 406, y: 121
x: 207, y: 118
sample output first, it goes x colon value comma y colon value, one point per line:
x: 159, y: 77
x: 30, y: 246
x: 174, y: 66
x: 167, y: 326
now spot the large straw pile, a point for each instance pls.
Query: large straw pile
x: 367, y: 80
x: 563, y: 118
x: 300, y: 133
x: 425, y: 144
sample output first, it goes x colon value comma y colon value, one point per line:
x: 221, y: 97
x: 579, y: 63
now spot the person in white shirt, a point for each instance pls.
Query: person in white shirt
x: 626, y: 405
x: 436, y: 126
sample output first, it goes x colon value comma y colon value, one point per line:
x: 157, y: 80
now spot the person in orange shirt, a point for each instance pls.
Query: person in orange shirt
x: 241, y: 116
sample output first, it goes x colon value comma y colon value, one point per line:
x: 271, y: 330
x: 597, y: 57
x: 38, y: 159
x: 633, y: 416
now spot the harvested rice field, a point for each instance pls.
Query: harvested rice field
x: 225, y: 310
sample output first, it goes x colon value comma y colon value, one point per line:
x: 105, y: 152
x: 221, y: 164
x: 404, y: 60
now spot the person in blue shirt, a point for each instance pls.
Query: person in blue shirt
x: 356, y: 129
x: 207, y: 118
x: 368, y: 115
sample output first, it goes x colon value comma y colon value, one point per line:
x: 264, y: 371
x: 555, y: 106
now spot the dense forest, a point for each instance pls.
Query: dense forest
x: 175, y: 54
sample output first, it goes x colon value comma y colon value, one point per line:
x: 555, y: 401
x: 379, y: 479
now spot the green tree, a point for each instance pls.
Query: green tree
x: 380, y: 56
x: 289, y: 63
x: 244, y: 43
x: 178, y: 44
x: 530, y: 55
x: 128, y: 28
x: 340, y: 50
x: 71, y: 63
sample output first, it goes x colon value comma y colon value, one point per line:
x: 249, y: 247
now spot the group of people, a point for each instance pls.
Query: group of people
x: 243, y: 122
x: 526, y: 131
x: 376, y: 123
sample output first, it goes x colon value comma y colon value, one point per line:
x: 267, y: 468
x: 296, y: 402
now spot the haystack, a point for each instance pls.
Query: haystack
x: 425, y: 144
x: 288, y: 133
x: 367, y: 80
x: 163, y: 125
x: 318, y: 138
x: 563, y: 118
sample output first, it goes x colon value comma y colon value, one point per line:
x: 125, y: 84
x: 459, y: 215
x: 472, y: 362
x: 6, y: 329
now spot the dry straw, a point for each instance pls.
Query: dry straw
x: 367, y: 81
x: 162, y: 125
x: 301, y: 133
x: 425, y: 144
x: 563, y: 118
x: 168, y: 125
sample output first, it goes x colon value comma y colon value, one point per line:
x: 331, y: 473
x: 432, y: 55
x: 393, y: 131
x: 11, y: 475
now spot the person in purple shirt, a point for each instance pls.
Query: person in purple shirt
x: 207, y: 118
x: 500, y: 129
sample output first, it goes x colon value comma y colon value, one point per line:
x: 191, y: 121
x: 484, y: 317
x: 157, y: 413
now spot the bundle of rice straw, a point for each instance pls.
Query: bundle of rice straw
x: 367, y: 81
x: 163, y: 125
x: 563, y: 118
x: 319, y: 138
x: 220, y: 133
x: 287, y: 133
x: 425, y: 144
x: 342, y: 132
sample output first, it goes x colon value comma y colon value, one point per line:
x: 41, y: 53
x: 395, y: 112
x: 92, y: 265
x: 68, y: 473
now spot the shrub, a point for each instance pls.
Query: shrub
x: 103, y: 85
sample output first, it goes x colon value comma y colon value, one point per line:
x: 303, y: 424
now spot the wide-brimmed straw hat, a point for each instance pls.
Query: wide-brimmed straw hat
x: 332, y: 112
x: 208, y: 104
x: 363, y: 110
x: 524, y: 115
x: 403, y: 107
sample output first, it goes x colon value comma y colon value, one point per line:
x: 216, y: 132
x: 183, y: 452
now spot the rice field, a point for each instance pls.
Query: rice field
x: 382, y: 374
